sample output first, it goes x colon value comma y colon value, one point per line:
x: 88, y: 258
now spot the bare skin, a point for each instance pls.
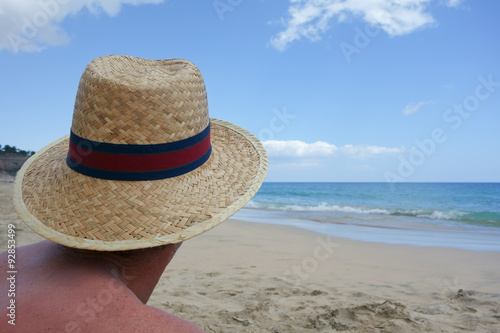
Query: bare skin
x: 60, y: 292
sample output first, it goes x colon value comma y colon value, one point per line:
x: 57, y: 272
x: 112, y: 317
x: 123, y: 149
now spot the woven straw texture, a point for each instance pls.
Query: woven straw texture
x: 84, y: 212
x: 130, y: 100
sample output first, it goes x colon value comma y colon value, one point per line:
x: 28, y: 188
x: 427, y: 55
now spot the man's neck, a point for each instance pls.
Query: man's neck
x: 143, y: 273
x: 139, y: 272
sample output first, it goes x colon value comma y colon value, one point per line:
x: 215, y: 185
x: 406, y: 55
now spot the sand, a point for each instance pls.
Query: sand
x: 249, y: 277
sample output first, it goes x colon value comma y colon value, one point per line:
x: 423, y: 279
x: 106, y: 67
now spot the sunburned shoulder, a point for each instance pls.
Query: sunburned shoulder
x: 150, y: 319
x: 125, y: 313
x: 121, y: 311
x: 137, y: 317
x: 92, y: 302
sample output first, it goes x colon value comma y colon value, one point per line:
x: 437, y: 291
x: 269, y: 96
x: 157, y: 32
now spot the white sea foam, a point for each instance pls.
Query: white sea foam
x: 324, y: 207
x: 444, y: 215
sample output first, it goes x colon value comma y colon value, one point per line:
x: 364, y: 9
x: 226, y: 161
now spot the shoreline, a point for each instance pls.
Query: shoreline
x: 397, y: 231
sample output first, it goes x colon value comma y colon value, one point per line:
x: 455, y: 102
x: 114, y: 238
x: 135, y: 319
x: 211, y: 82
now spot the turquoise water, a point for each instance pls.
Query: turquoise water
x: 460, y: 215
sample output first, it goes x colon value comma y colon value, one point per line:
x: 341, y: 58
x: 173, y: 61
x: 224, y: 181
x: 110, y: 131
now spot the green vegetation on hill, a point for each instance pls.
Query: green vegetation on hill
x: 13, y: 151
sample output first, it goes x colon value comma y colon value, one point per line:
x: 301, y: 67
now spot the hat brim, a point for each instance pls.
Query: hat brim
x: 107, y: 215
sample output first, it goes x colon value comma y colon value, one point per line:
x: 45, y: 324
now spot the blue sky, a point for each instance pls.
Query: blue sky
x: 338, y: 90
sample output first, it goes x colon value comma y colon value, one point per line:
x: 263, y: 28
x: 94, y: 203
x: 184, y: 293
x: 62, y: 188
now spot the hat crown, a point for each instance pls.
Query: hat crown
x: 128, y: 100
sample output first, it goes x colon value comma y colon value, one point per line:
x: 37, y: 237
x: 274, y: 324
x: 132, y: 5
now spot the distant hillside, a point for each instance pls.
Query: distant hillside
x: 12, y: 158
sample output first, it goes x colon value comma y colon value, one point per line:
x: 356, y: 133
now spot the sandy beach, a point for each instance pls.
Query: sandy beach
x: 250, y: 277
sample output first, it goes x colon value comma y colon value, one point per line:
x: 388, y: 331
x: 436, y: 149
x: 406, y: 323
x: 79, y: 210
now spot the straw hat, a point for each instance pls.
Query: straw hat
x: 144, y: 164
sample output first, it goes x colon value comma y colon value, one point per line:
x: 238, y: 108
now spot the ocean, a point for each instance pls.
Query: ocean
x: 457, y: 215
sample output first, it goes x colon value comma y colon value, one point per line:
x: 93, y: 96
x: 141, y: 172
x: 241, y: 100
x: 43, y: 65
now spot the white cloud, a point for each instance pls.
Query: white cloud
x: 310, y: 18
x: 367, y: 151
x: 299, y: 165
x: 414, y: 107
x: 299, y: 149
x: 33, y: 25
